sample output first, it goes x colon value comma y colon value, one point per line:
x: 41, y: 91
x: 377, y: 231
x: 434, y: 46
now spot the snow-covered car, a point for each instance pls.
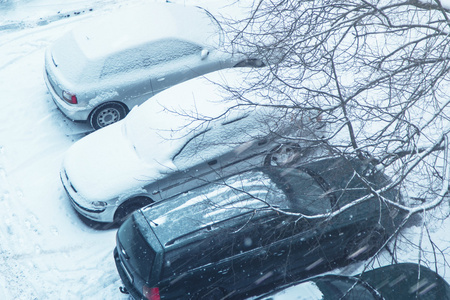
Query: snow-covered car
x: 184, y: 136
x: 250, y: 232
x: 392, y: 282
x: 101, y: 69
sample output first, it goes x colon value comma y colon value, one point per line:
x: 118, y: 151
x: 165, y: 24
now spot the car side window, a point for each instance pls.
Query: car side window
x: 148, y: 55
x: 196, y: 254
x: 260, y: 232
x: 249, y: 233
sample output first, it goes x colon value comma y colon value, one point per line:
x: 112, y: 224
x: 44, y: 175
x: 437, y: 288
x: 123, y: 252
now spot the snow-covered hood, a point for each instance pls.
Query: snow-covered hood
x: 104, y: 165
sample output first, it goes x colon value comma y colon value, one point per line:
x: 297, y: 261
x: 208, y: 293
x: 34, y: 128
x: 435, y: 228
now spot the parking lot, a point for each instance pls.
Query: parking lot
x: 46, y: 251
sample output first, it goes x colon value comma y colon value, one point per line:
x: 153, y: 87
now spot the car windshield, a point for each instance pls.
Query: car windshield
x: 157, y: 140
x: 238, y: 129
x: 285, y: 188
x: 219, y: 27
x: 71, y: 61
x: 304, y: 192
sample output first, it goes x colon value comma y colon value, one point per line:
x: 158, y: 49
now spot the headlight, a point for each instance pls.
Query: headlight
x: 99, y: 204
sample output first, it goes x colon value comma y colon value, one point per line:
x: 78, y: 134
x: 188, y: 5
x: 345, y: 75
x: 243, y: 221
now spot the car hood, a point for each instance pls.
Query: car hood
x: 104, y: 165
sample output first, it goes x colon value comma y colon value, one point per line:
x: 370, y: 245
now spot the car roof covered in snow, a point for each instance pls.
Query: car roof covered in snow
x: 132, y: 26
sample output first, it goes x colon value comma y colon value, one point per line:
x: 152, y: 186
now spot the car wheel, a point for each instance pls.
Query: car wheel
x: 127, y: 208
x: 283, y: 155
x: 107, y: 114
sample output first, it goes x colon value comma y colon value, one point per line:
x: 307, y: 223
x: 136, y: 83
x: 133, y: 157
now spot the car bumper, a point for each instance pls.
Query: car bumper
x: 104, y: 214
x: 75, y: 113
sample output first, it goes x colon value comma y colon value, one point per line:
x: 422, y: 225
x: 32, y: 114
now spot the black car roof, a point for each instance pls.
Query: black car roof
x: 215, y: 202
x: 183, y: 215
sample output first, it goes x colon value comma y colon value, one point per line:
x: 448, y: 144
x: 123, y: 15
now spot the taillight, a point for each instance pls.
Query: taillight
x: 151, y: 293
x: 69, y: 97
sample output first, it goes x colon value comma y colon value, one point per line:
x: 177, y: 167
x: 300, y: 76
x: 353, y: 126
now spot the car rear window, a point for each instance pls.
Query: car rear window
x: 71, y: 62
x: 141, y: 255
x: 306, y: 194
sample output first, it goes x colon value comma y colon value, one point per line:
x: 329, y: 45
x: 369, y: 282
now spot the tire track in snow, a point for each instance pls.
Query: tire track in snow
x: 25, y: 256
x: 76, y: 9
x: 90, y: 9
x: 13, y: 275
x: 41, y: 256
x: 19, y: 45
x: 20, y: 25
x: 45, y: 29
x: 45, y: 252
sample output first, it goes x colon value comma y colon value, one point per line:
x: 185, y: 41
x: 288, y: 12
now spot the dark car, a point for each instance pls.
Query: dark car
x: 393, y: 282
x: 250, y: 232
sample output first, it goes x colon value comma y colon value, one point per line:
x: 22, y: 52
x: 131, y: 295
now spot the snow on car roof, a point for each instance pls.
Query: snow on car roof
x: 216, y: 202
x: 136, y: 25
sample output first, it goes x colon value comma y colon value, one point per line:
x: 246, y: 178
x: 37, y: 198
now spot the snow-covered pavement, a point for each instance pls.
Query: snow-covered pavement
x: 46, y: 251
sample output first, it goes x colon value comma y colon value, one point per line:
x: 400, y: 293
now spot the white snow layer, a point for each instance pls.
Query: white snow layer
x: 46, y: 251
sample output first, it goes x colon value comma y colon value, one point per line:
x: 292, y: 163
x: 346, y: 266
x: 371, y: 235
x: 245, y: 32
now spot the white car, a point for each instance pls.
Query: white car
x: 181, y: 138
x: 101, y: 69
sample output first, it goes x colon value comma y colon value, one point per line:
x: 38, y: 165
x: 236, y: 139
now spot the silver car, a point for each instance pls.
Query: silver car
x: 100, y: 70
x: 159, y: 150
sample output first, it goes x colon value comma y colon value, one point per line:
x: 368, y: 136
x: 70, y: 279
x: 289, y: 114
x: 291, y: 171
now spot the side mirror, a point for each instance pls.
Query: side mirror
x: 204, y: 54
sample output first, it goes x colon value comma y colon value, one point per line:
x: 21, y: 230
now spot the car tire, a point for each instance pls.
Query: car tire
x: 128, y: 207
x: 283, y: 154
x: 107, y: 114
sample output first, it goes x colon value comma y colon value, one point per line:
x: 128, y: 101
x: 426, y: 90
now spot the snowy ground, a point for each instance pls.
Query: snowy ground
x: 46, y: 251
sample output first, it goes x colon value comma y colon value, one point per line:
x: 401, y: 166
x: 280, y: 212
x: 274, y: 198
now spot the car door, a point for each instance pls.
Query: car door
x: 127, y: 73
x: 312, y: 249
x: 310, y: 243
x: 253, y: 264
